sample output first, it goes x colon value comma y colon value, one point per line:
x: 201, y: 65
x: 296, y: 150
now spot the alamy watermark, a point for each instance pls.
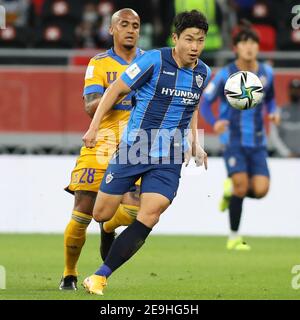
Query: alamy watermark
x: 2, y: 278
x: 296, y: 279
x: 2, y: 18
x: 296, y: 18
x: 140, y: 146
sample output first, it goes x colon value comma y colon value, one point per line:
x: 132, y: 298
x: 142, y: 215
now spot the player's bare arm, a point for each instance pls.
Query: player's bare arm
x: 91, y: 101
x: 115, y: 91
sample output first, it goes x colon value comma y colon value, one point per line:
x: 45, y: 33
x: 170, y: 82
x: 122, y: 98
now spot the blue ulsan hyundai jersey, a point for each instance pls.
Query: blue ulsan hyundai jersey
x: 246, y: 127
x: 166, y: 96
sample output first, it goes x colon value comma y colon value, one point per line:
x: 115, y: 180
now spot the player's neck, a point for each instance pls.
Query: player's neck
x: 126, y: 54
x: 247, y: 65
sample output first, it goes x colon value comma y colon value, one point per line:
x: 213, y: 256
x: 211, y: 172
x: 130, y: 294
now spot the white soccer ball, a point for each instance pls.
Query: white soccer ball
x: 243, y: 90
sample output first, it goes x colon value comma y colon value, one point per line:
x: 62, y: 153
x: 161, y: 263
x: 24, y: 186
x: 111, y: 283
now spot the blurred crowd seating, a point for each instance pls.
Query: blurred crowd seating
x: 84, y: 23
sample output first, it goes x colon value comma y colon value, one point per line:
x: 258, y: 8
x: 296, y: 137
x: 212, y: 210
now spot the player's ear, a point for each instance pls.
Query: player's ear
x: 111, y: 30
x: 174, y: 38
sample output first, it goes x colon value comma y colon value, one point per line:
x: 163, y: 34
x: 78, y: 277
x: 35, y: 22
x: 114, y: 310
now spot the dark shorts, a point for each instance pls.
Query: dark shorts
x: 252, y: 160
x: 156, y: 178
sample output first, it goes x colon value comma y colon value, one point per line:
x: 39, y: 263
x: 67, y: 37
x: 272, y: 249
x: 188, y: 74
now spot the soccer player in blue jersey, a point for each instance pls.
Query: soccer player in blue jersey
x: 168, y: 83
x: 242, y: 132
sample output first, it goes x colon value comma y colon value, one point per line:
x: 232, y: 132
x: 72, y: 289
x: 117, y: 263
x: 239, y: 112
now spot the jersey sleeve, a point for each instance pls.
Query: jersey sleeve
x: 206, y: 112
x: 215, y: 88
x: 94, y: 79
x: 269, y: 93
x: 141, y: 70
x: 208, y: 76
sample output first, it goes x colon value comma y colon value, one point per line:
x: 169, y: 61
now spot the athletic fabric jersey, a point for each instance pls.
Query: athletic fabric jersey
x: 102, y: 70
x: 166, y: 97
x: 90, y: 167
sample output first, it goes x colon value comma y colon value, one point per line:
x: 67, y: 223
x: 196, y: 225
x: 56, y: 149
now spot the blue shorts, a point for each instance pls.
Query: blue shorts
x: 156, y: 178
x: 252, y: 160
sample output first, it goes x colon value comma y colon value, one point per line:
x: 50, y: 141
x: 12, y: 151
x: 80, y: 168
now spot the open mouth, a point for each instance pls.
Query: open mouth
x: 129, y: 38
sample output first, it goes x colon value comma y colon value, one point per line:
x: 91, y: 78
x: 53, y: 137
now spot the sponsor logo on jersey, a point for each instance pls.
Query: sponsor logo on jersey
x: 232, y: 162
x: 89, y: 72
x: 169, y: 73
x: 133, y: 71
x: 180, y: 93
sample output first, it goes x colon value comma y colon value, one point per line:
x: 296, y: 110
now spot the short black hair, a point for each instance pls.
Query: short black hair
x: 245, y: 32
x: 190, y: 19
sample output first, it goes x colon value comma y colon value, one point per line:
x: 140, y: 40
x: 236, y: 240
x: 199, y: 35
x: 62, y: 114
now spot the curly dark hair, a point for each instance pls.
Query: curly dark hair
x: 244, y: 32
x: 190, y: 19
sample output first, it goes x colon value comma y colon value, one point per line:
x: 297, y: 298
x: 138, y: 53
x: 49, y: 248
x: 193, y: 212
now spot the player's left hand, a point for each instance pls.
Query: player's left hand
x: 275, y: 118
x: 89, y: 138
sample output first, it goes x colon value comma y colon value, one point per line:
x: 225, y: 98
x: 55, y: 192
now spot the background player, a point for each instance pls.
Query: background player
x: 242, y: 132
x: 102, y: 70
x: 169, y: 83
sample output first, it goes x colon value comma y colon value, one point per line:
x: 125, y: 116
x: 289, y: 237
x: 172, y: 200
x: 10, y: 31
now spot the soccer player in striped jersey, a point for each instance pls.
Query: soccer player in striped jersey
x: 168, y: 84
x: 86, y: 177
x: 242, y: 132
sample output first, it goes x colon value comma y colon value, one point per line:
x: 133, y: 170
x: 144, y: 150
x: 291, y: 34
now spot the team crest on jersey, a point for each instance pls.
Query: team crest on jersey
x: 111, y: 76
x: 232, y: 162
x: 199, y: 80
x: 109, y: 178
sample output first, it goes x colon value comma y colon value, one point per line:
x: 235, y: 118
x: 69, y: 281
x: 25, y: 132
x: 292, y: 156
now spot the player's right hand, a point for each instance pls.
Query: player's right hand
x: 200, y: 156
x: 221, y: 126
x: 89, y: 138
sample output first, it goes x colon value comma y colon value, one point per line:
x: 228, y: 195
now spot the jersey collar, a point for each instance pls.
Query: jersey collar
x: 112, y: 54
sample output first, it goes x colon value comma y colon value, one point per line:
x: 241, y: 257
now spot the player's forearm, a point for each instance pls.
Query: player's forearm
x: 91, y: 107
x: 109, y: 99
x: 91, y: 102
x: 194, y: 126
x: 194, y: 132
